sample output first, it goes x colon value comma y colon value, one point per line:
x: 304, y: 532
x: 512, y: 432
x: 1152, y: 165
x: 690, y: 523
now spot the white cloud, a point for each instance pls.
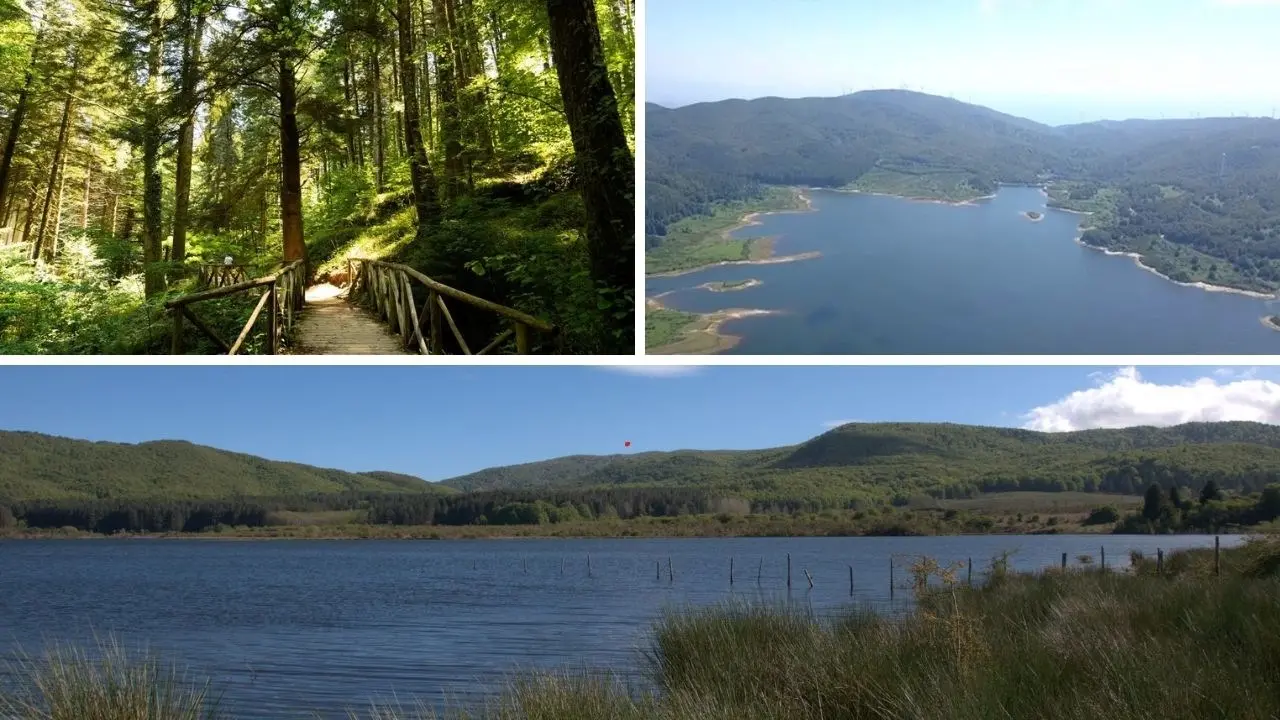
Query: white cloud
x: 1125, y: 399
x: 654, y: 371
x: 1241, y: 3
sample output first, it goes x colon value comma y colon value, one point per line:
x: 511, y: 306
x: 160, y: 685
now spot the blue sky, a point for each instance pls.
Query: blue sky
x: 1056, y: 61
x: 438, y: 422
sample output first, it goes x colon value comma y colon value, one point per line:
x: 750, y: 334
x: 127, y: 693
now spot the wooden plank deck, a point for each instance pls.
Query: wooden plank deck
x: 329, y: 325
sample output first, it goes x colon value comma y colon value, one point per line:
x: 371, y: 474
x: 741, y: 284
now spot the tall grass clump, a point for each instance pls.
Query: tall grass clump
x: 71, y: 684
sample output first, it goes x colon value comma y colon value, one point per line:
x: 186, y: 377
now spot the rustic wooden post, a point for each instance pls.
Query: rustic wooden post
x: 850, y: 581
x: 433, y: 300
x: 1064, y: 561
x: 657, y: 570
x: 522, y: 338
x: 175, y: 346
x: 759, y: 572
x: 671, y: 573
x: 1159, y: 561
x: 788, y: 571
x: 807, y: 575
x: 1217, y: 556
x: 273, y: 342
x: 970, y: 572
x: 890, y: 577
x: 1104, y: 557
x: 524, y: 565
x: 588, y: 564
x: 731, y: 571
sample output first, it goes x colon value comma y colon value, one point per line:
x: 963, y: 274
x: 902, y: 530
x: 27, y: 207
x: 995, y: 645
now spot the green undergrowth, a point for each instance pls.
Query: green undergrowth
x: 90, y: 301
x: 519, y: 244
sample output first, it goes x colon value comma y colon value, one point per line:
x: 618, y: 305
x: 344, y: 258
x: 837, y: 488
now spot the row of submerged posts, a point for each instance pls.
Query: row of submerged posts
x: 668, y: 571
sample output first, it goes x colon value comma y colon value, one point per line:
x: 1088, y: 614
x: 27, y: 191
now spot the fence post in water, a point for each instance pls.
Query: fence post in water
x: 760, y: 572
x: 524, y: 565
x: 588, y: 564
x: 891, y: 577
x: 788, y: 571
x: 810, y: 577
x: 731, y: 572
x: 1217, y: 558
x: 1104, y: 557
x: 657, y: 569
x: 1159, y: 561
x: 1064, y: 561
x: 970, y: 572
x: 671, y: 574
x: 850, y: 581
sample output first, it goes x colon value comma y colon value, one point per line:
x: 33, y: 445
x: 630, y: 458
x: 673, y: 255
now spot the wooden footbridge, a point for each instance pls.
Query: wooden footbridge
x: 385, y: 309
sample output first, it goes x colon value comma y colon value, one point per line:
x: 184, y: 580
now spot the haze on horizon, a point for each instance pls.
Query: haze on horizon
x: 1053, y: 61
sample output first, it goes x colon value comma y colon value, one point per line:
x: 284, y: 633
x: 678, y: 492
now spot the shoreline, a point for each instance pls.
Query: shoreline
x: 917, y: 199
x: 1206, y: 287
x: 752, y: 219
x: 723, y: 288
x: 1270, y: 322
x: 707, y: 325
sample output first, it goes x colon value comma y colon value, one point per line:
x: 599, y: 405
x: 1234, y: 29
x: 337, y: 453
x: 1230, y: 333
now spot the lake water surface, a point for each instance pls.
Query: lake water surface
x: 903, y: 277
x: 291, y: 628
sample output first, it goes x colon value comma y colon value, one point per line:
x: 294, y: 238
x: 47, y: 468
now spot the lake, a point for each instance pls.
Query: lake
x: 903, y: 277
x: 288, y: 628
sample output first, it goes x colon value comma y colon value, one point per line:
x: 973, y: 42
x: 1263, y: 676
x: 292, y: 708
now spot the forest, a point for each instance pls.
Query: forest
x: 175, y: 486
x: 487, y: 144
x: 1197, y: 198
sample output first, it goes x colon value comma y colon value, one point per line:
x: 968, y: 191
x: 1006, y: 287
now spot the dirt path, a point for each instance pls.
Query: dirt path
x: 329, y: 325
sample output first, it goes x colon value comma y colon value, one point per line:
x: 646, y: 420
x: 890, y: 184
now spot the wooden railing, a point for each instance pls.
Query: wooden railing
x: 282, y: 292
x: 215, y: 275
x: 388, y: 288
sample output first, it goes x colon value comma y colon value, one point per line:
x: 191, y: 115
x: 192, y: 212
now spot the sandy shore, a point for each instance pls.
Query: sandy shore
x: 1271, y: 321
x: 1137, y: 260
x: 704, y: 336
x: 722, y: 287
x: 909, y: 198
x: 763, y: 261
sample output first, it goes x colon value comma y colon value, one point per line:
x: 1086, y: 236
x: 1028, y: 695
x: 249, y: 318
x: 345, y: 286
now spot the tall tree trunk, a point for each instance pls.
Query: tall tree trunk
x: 63, y: 128
x: 447, y: 84
x: 379, y: 144
x: 31, y: 213
x: 16, y: 119
x: 57, y: 210
x: 186, y: 132
x: 290, y: 163
x: 350, y: 121
x: 424, y: 181
x: 152, y: 189
x: 606, y: 170
x: 477, y: 96
x: 84, y: 209
x: 424, y: 87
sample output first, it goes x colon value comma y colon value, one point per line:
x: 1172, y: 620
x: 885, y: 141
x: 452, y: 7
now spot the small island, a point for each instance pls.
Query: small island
x: 730, y: 286
x: 1272, y: 321
x: 1033, y: 216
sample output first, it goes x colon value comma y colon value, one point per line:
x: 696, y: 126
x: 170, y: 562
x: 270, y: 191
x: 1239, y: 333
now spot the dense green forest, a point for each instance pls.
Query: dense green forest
x: 485, y: 143
x: 1198, y: 198
x: 60, y: 482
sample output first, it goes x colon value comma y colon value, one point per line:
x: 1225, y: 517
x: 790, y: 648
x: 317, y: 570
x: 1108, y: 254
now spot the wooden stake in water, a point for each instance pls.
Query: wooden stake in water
x: 1064, y: 561
x: 1217, y: 558
x: 657, y: 569
x: 588, y: 564
x: 850, y: 581
x: 1159, y: 561
x: 810, y: 577
x: 671, y: 574
x: 730, y: 572
x: 1104, y: 557
x: 788, y: 571
x: 561, y: 567
x: 760, y: 571
x: 524, y: 565
x: 970, y: 565
x: 890, y: 578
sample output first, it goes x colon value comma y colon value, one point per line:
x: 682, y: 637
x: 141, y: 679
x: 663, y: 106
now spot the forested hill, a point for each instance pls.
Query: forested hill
x: 34, y: 466
x: 1189, y: 193
x: 899, y: 459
